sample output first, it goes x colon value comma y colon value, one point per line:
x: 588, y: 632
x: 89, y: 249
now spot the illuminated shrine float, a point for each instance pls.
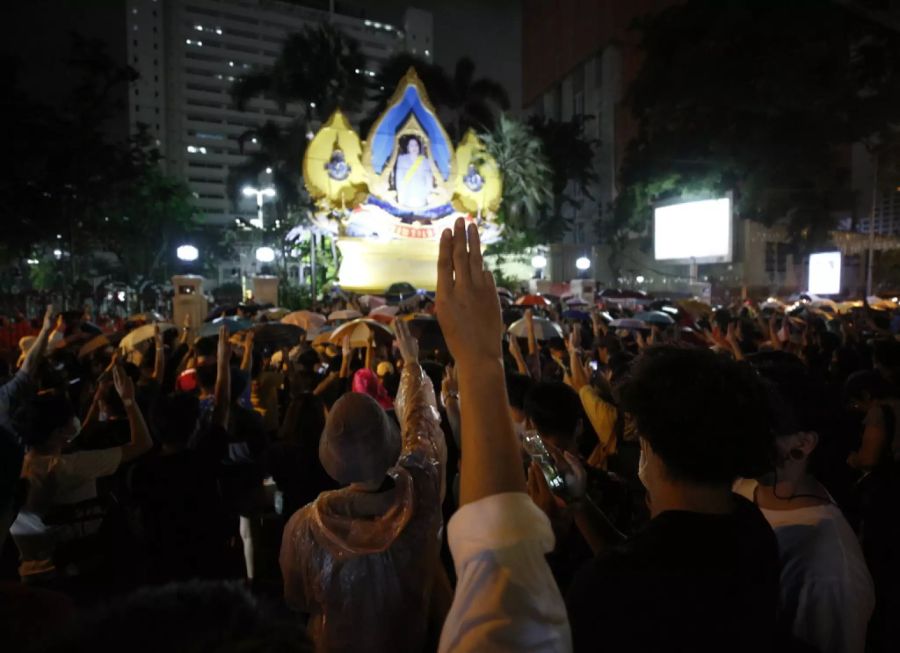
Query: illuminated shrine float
x: 388, y: 198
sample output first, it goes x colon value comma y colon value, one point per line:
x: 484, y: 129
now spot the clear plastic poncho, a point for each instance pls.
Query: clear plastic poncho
x: 362, y: 564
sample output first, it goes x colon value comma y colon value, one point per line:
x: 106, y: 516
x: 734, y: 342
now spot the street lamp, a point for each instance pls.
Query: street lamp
x: 265, y: 254
x: 539, y: 261
x: 187, y: 253
x: 260, y: 193
x: 583, y: 263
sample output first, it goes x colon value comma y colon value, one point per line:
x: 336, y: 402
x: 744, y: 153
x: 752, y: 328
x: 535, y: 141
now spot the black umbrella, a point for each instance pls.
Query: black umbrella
x: 427, y: 331
x: 276, y: 335
x: 220, y: 311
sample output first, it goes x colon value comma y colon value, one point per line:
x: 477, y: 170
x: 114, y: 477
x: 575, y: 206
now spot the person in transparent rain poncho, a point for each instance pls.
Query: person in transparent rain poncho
x: 361, y: 560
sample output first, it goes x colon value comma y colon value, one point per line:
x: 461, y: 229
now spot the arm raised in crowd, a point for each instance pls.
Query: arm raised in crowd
x: 223, y: 379
x: 33, y: 358
x: 506, y: 598
x: 140, y: 435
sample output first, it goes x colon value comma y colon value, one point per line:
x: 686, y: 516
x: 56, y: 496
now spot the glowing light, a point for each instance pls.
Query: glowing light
x: 187, y: 253
x: 57, y: 253
x: 693, y: 230
x: 191, y: 149
x: 265, y: 254
x: 583, y: 263
x: 32, y: 261
x: 539, y: 261
x: 268, y: 171
x: 825, y: 273
x: 120, y: 295
x: 639, y: 278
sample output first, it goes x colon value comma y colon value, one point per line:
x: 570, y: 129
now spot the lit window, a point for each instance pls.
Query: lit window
x: 191, y: 149
x: 219, y: 30
x: 188, y: 41
x: 231, y: 63
x: 199, y: 28
x: 202, y: 150
x: 427, y: 53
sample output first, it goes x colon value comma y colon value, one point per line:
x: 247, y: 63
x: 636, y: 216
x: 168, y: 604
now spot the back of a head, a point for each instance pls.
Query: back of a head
x: 555, y: 410
x: 360, y: 442
x: 304, y: 425
x: 704, y: 414
x: 220, y: 617
x: 517, y: 387
x: 38, y: 418
x: 175, y: 418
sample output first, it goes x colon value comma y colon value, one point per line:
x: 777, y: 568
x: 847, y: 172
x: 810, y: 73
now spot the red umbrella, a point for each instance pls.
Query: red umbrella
x: 533, y: 300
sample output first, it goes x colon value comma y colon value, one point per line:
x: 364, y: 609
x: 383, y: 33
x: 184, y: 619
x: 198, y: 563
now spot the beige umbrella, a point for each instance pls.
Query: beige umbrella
x: 346, y: 314
x: 142, y: 334
x: 359, y: 330
x: 306, y: 320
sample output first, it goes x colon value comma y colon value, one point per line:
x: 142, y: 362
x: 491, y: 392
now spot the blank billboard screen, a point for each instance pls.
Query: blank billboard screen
x: 825, y: 273
x: 693, y: 230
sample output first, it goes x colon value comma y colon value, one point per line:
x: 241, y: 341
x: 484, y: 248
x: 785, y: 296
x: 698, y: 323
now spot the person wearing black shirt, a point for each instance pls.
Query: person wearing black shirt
x: 703, y: 574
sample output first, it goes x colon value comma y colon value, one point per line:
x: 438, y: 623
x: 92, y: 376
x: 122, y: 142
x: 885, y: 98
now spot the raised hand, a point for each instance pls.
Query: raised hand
x: 468, y: 308
x: 124, y: 384
x: 48, y: 317
x: 406, y: 343
x: 346, y: 349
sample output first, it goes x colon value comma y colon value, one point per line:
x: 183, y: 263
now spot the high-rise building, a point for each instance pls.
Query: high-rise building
x: 188, y: 54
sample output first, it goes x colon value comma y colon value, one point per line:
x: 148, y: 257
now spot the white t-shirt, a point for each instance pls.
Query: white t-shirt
x: 57, y: 481
x: 827, y: 592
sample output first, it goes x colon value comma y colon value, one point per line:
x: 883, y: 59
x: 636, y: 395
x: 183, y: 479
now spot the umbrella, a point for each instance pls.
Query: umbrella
x: 576, y: 301
x: 234, y: 324
x: 384, y: 314
x: 399, y: 291
x: 97, y: 343
x: 275, y: 313
x: 322, y: 338
x: 655, y: 317
x: 147, y: 316
x: 572, y: 314
x: 372, y: 301
x: 276, y: 335
x: 307, y: 320
x: 346, y: 314
x: 142, y: 334
x: 544, y: 329
x: 427, y: 331
x: 629, y: 324
x: 506, y: 292
x: 532, y: 300
x: 359, y: 331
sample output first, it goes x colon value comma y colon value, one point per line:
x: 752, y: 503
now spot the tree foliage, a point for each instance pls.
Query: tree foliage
x: 71, y: 185
x: 761, y: 97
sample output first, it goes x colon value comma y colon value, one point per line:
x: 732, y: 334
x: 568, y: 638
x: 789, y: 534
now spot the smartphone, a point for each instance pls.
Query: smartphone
x: 534, y: 446
x: 594, y: 366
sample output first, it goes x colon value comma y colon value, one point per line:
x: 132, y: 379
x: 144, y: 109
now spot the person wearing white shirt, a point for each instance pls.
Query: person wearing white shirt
x: 506, y: 598
x: 827, y: 593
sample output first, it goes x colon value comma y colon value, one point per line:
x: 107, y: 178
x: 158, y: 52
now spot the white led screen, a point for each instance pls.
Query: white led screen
x: 825, y: 273
x: 693, y: 231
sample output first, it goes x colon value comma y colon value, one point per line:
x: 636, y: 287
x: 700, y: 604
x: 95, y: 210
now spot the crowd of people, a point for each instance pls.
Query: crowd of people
x: 728, y: 487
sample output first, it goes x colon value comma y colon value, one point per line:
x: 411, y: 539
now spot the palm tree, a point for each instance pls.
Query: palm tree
x: 527, y: 175
x: 319, y: 68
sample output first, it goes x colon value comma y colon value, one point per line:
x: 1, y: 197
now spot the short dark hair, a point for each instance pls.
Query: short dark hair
x: 517, y: 386
x: 703, y: 413
x: 554, y: 408
x: 36, y: 420
x: 175, y: 417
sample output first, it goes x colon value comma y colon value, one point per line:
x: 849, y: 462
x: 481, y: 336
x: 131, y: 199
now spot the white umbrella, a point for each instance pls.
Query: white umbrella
x: 385, y: 310
x: 142, y: 334
x: 544, y: 329
x: 306, y: 320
